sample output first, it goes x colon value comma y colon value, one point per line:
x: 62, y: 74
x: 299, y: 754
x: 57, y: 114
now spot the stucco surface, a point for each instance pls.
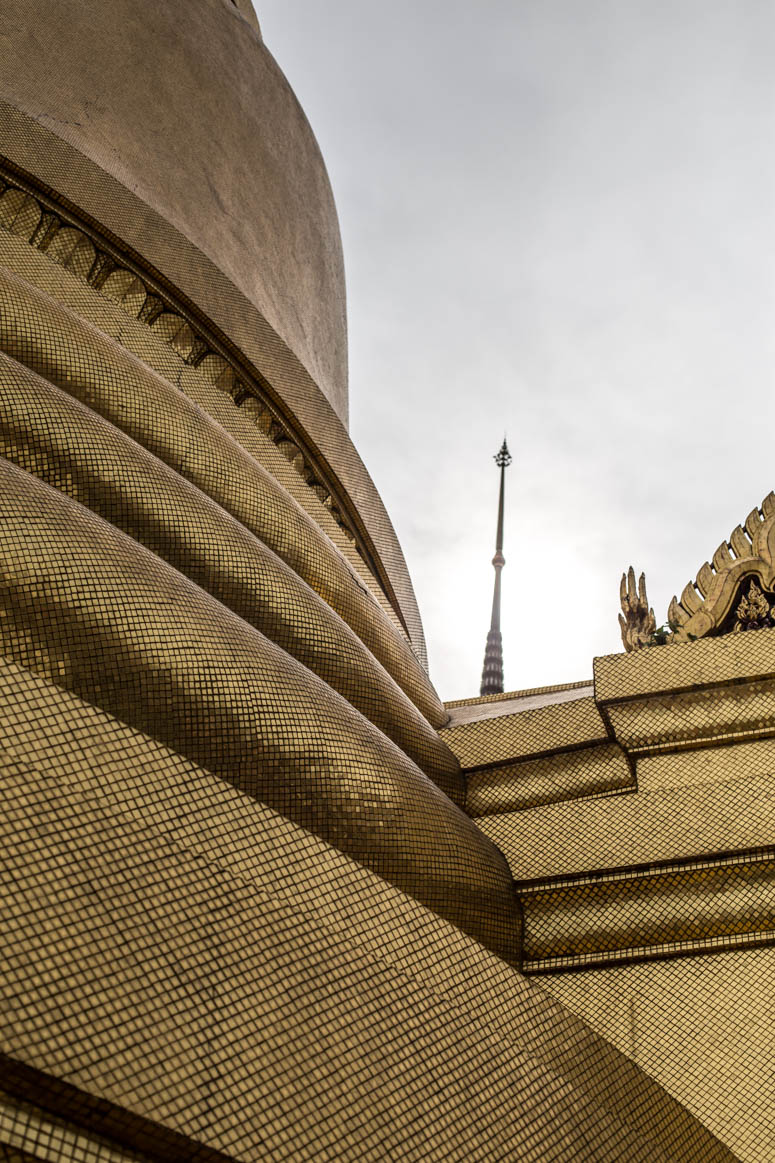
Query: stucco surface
x: 184, y: 106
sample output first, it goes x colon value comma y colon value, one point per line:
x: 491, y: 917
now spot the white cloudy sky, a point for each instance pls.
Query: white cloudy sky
x: 558, y: 220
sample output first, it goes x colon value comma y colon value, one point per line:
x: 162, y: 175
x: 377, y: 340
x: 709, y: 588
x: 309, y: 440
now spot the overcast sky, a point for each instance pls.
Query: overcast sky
x: 558, y: 220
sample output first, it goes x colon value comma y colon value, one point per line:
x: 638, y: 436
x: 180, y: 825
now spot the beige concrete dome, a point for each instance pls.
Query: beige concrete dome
x: 204, y: 161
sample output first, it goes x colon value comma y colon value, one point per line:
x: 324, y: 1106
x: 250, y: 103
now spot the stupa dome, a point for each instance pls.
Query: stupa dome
x: 173, y: 125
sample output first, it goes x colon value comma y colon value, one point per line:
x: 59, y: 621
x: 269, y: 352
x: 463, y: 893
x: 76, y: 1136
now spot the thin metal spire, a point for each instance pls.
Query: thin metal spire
x: 492, y: 671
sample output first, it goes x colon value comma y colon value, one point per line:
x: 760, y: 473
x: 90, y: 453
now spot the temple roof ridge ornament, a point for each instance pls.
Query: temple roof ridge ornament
x: 636, y: 621
x: 731, y: 591
x: 734, y: 591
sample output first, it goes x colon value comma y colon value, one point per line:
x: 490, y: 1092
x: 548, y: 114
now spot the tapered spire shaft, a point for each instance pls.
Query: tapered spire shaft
x: 492, y: 672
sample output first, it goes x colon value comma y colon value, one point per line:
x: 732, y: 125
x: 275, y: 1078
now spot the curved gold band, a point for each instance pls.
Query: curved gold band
x: 52, y: 341
x: 66, y: 444
x: 105, y: 618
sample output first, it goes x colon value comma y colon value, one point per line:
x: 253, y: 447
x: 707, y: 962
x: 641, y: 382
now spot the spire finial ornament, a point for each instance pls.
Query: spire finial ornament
x: 492, y: 672
x: 503, y: 457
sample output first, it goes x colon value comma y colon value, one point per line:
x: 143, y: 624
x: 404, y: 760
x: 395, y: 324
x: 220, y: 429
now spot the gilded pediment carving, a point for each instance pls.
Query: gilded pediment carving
x: 735, y: 591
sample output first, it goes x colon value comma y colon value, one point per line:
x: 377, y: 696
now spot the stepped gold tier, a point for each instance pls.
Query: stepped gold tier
x: 265, y: 895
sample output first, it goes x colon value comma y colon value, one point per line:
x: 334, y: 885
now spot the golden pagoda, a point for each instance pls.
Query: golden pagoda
x: 266, y: 897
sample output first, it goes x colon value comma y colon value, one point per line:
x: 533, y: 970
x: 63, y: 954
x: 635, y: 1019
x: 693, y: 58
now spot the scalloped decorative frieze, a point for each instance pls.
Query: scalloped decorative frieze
x: 29, y: 217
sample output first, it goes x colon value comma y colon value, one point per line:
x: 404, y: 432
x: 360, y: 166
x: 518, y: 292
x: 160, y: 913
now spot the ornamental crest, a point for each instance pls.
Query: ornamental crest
x: 735, y: 591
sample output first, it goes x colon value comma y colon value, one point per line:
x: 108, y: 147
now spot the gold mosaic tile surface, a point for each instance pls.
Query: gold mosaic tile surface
x: 692, y: 718
x: 30, y: 1135
x: 35, y: 331
x: 65, y: 444
x: 556, y: 726
x: 702, y: 1026
x: 193, y: 962
x: 682, y: 666
x: 726, y: 902
x: 736, y: 811
x: 706, y: 765
x: 88, y: 607
x: 566, y: 775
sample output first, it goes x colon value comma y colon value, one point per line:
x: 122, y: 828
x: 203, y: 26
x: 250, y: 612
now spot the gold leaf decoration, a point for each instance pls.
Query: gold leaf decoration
x: 753, y: 612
